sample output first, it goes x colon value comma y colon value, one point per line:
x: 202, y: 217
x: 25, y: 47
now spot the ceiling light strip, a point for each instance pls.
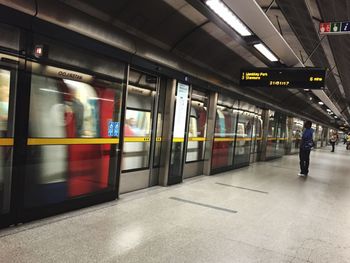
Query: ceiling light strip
x: 266, y: 52
x: 222, y: 10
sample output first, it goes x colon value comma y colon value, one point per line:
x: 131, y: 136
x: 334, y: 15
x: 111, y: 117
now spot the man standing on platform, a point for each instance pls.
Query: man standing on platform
x: 306, y: 145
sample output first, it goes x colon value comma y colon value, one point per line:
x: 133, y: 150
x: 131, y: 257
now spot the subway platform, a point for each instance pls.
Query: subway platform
x: 261, y: 213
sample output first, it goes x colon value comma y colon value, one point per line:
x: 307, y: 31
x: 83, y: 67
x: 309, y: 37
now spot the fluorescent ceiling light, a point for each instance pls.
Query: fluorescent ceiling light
x: 266, y: 52
x: 320, y: 102
x: 329, y: 110
x: 336, y: 117
x: 228, y: 16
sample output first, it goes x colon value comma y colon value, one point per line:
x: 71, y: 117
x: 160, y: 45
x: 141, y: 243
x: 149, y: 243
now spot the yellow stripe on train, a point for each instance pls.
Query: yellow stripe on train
x: 6, y: 141
x: 137, y: 139
x: 197, y: 139
x: 69, y: 141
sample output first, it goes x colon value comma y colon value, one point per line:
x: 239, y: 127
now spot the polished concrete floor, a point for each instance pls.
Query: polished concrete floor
x: 262, y: 213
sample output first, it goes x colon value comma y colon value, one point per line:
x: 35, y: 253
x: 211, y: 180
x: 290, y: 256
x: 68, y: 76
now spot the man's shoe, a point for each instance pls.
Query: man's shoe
x: 300, y: 174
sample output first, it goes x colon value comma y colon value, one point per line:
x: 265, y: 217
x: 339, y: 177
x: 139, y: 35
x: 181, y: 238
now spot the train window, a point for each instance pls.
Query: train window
x: 137, y: 130
x: 197, y: 127
x: 138, y: 120
x: 70, y: 144
x: 5, y: 143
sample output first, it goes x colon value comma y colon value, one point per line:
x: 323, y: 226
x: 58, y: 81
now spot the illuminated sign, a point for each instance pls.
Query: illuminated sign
x: 40, y: 51
x: 294, y: 78
x: 180, y: 110
x: 335, y: 27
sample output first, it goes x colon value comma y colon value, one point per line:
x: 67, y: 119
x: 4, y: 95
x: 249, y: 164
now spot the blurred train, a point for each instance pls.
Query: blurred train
x: 62, y: 108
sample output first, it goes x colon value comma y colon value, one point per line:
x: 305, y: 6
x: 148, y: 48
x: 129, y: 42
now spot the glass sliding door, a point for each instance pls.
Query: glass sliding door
x: 244, y: 134
x: 297, y: 129
x: 281, y: 135
x: 225, y: 134
x: 197, y: 127
x: 9, y: 60
x: 197, y: 133
x: 271, y: 136
x: 72, y: 152
x: 71, y: 137
x: 257, y: 136
x: 138, y: 121
x: 7, y: 85
x: 277, y: 135
x: 139, y: 140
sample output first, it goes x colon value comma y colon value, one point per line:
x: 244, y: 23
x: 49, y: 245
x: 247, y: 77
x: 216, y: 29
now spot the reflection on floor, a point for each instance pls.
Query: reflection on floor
x: 280, y: 218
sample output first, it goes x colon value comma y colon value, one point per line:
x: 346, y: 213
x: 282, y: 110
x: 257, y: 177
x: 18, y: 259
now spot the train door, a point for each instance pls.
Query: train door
x: 140, y: 134
x: 9, y: 60
x: 73, y: 139
x: 281, y: 134
x: 7, y: 100
x: 245, y: 123
x: 271, y: 136
x: 297, y: 129
x: 256, y: 137
x: 224, y: 137
x: 197, y: 130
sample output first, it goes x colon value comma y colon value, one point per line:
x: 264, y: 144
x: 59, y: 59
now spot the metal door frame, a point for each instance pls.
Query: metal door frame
x: 9, y: 217
x: 196, y: 165
x: 184, y: 151
x: 127, y: 184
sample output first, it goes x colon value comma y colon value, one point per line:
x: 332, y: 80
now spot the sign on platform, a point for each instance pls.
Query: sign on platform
x: 180, y: 110
x: 335, y: 27
x: 290, y: 78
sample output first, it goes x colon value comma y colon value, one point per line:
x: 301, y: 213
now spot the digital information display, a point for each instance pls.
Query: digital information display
x: 291, y: 78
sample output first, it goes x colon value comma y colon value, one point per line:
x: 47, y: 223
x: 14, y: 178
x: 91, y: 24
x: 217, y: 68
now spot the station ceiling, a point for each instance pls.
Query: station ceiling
x: 176, y: 26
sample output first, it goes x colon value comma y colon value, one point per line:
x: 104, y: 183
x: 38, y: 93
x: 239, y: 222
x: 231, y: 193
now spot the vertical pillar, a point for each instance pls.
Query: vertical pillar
x: 213, y: 99
x: 265, y: 131
x: 167, y: 132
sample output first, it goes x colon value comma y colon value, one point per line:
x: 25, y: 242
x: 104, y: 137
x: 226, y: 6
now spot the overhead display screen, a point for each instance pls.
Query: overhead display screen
x: 290, y: 78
